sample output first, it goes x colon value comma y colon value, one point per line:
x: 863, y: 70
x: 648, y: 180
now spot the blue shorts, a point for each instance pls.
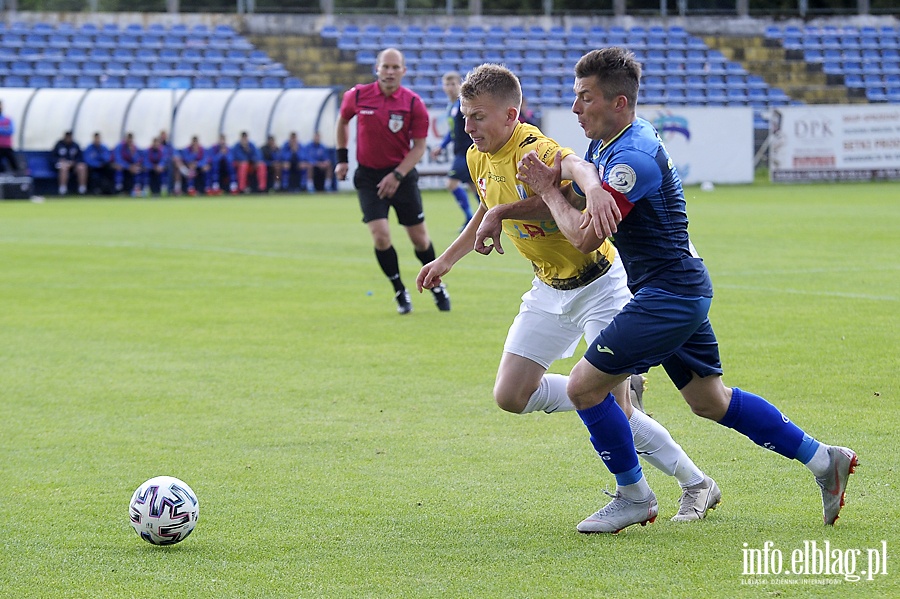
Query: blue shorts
x: 658, y: 327
x: 460, y: 169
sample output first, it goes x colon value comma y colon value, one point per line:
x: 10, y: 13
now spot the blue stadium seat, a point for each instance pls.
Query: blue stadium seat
x: 30, y: 53
x: 134, y: 81
x: 15, y: 81
x: 22, y: 68
x: 293, y: 82
x: 652, y: 96
x: 271, y: 82
x: 39, y: 81
x: 116, y: 68
x: 112, y: 82
x: 109, y: 41
x: 674, y: 81
x: 87, y: 81
x: 63, y: 81
x: 249, y: 81
x: 226, y: 82
x: 203, y: 81
x: 92, y: 68
x: 140, y: 69
x: 232, y: 69
x: 128, y: 41
x: 876, y: 94
x: 81, y: 41
x: 162, y: 69
x: 695, y: 96
x: 716, y: 94
x: 854, y: 81
x: 676, y: 97
x: 207, y: 69
x: 45, y: 68
x: 174, y: 41
x: 736, y: 94
x: 152, y: 41
x: 259, y: 57
x: 185, y: 68
x: 58, y: 40
x: 69, y: 68
x: 225, y: 32
x: 169, y: 54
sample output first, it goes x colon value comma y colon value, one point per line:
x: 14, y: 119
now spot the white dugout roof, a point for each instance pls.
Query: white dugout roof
x: 41, y: 116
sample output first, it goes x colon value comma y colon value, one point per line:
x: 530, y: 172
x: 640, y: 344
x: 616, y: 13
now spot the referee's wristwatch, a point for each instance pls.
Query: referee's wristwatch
x: 397, y: 175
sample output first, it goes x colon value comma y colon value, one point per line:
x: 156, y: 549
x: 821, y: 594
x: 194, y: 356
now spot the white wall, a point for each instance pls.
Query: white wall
x: 707, y: 144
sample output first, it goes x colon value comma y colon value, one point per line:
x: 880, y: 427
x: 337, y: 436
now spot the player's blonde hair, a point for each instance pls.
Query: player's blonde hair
x: 494, y: 80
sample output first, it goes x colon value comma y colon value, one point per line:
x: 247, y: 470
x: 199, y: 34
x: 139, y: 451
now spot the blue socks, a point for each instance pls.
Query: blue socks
x: 462, y: 198
x: 765, y: 425
x: 611, y: 437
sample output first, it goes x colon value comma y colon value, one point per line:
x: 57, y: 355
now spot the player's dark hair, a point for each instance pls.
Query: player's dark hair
x: 617, y: 71
x: 493, y: 80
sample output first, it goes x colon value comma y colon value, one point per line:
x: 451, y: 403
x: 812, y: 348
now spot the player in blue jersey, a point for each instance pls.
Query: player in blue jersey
x: 98, y: 159
x: 220, y: 163
x: 458, y: 176
x: 666, y: 321
x: 128, y: 163
x: 294, y: 165
x: 156, y: 167
x: 320, y: 172
x: 573, y: 294
x: 271, y: 155
x: 194, y: 166
x: 247, y: 158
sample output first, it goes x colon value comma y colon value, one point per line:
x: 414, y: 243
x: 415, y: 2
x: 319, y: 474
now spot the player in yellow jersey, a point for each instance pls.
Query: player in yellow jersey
x: 573, y: 294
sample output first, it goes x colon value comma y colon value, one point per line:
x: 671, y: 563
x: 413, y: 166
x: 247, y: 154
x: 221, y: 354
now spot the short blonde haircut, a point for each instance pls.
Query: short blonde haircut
x: 494, y: 80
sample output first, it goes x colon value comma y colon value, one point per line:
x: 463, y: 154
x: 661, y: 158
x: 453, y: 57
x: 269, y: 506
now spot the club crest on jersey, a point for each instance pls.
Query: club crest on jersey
x: 482, y: 186
x: 395, y: 123
x: 622, y: 178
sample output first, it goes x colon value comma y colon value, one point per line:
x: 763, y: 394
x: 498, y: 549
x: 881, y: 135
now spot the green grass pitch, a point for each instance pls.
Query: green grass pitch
x: 250, y: 346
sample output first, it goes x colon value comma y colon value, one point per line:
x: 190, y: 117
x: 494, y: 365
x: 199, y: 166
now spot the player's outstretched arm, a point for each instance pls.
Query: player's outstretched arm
x: 544, y: 181
x: 601, y: 210
x: 432, y: 273
x: 530, y: 208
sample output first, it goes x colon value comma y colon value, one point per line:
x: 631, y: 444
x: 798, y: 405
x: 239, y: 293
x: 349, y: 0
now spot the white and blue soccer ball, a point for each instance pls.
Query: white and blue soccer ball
x: 164, y: 510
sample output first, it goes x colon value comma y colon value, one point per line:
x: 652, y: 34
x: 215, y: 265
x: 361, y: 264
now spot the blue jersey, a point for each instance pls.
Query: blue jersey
x: 125, y: 156
x: 289, y: 154
x: 317, y: 152
x: 456, y: 131
x: 198, y: 156
x: 652, y: 238
x: 96, y: 156
x: 155, y: 156
x: 241, y: 154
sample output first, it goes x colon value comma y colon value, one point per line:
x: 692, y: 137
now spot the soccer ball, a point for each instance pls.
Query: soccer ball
x: 164, y: 510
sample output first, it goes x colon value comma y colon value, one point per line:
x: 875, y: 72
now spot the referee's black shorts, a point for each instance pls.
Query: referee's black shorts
x: 407, y: 202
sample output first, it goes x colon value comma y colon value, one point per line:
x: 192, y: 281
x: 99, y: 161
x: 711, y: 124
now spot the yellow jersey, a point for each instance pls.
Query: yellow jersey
x: 556, y: 261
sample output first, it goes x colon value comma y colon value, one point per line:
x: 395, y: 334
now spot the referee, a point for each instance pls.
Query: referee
x: 389, y: 117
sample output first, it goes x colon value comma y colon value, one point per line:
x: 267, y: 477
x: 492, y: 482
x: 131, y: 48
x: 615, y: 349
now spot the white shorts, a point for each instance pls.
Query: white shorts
x: 551, y: 322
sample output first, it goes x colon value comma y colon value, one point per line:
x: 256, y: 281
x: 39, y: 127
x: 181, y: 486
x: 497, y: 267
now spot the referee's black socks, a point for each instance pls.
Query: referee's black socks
x: 387, y: 260
x: 426, y: 256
